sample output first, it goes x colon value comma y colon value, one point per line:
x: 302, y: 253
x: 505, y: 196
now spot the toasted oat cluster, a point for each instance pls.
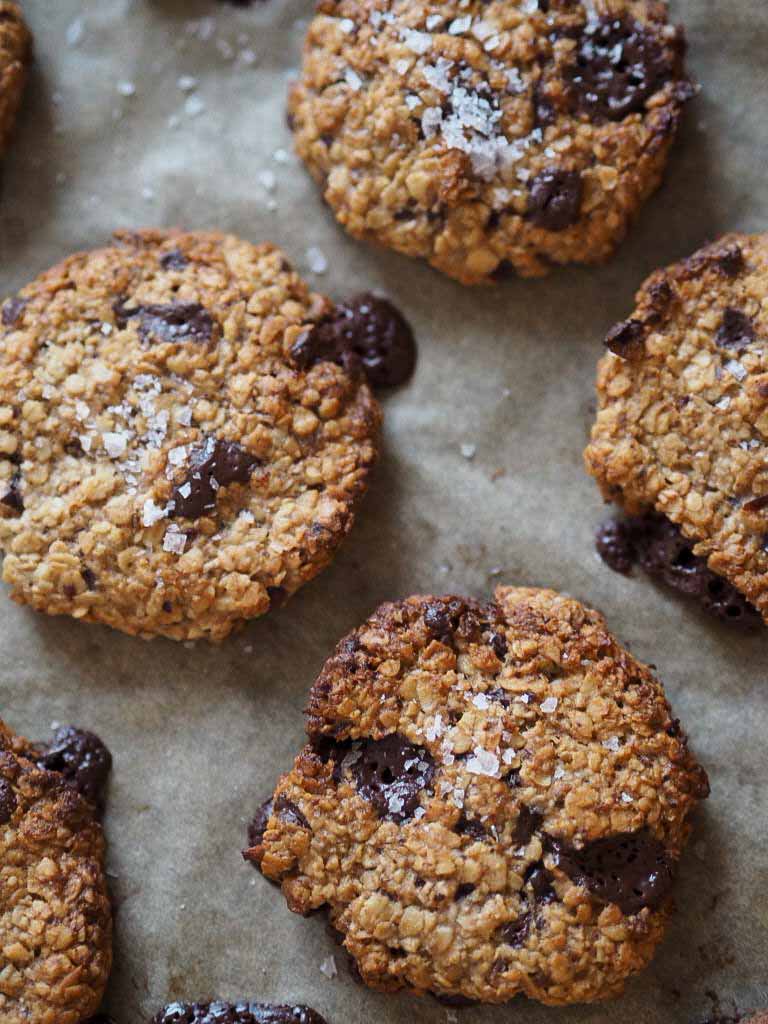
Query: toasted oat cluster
x: 489, y: 137
x: 15, y: 58
x: 682, y: 420
x: 493, y: 801
x: 184, y: 433
x: 55, y: 918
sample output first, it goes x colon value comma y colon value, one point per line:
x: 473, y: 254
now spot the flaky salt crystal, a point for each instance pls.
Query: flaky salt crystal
x: 115, y: 444
x: 480, y: 701
x: 549, y: 705
x: 419, y: 42
x: 459, y: 25
x: 483, y: 762
x: 152, y: 513
x: 328, y: 967
x: 316, y: 260
x: 174, y: 541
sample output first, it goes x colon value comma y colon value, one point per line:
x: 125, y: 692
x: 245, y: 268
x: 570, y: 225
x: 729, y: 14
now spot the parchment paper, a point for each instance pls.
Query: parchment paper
x: 200, y: 733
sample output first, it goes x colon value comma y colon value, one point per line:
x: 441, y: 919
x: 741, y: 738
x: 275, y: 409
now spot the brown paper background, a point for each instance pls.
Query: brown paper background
x: 199, y: 734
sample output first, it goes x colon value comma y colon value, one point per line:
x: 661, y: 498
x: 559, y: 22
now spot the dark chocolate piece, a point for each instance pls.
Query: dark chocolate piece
x: 554, y: 199
x: 392, y: 773
x: 216, y: 464
x: 220, y: 1012
x: 81, y: 758
x: 172, y: 321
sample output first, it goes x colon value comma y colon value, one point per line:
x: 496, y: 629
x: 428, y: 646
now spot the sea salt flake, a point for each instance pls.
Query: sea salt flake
x: 193, y: 106
x: 559, y: 772
x: 483, y: 762
x: 126, y: 88
x: 626, y: 798
x: 81, y: 410
x: 316, y: 260
x: 418, y: 42
x: 402, y: 67
x: 267, y: 179
x: 174, y: 541
x: 482, y: 30
x: 436, y: 729
x: 724, y: 402
x: 186, y: 83
x: 85, y: 442
x: 437, y: 74
x: 734, y: 367
x: 152, y: 513
x: 480, y: 701
x: 75, y: 32
x: 115, y: 443
x: 508, y: 756
x: 469, y: 451
x: 184, y: 416
x: 549, y: 705
x: 431, y: 120
x: 281, y: 156
x: 328, y: 967
x: 412, y: 101
x: 353, y: 80
x: 433, y: 20
x: 460, y: 25
x: 106, y: 329
x: 347, y: 25
x: 612, y: 743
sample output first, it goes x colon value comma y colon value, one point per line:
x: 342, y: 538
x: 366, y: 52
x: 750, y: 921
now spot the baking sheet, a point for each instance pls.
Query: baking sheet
x: 110, y: 137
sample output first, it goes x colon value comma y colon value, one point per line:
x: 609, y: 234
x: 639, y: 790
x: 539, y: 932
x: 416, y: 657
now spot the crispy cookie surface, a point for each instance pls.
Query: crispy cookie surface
x: 683, y: 408
x: 166, y: 465
x: 492, y: 801
x: 489, y: 137
x: 55, y: 918
x: 15, y: 57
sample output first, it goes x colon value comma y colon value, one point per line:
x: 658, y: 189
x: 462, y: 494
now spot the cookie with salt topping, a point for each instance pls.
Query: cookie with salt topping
x: 185, y: 432
x: 489, y: 138
x: 493, y: 801
x: 682, y: 422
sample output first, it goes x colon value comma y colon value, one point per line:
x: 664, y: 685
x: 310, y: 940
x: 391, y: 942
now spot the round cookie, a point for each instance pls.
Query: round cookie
x: 15, y: 58
x: 493, y: 801
x: 55, y: 918
x: 183, y: 437
x: 489, y: 137
x: 682, y: 418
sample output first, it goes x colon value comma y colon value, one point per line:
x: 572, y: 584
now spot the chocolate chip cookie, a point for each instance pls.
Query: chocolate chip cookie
x: 493, y: 801
x: 55, y: 918
x: 15, y: 58
x: 220, y: 1012
x: 489, y: 138
x: 683, y: 410
x: 185, y: 432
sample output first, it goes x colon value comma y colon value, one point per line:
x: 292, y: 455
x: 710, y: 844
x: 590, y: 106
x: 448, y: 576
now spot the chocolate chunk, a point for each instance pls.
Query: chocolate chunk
x: 392, y: 773
x: 528, y: 823
x: 287, y: 811
x: 258, y: 825
x: 540, y: 882
x: 615, y: 544
x: 173, y: 260
x: 220, y: 1012
x: 437, y: 621
x: 470, y: 827
x: 100, y: 1018
x: 618, y: 66
x: 12, y: 498
x: 12, y: 310
x: 627, y: 339
x: 277, y: 596
x: 216, y: 464
x: 661, y: 295
x: 464, y: 889
x: 554, y: 199
x: 730, y: 260
x: 81, y: 758
x: 516, y: 932
x: 661, y: 550
x: 365, y: 332
x: 89, y: 578
x: 632, y: 869
x: 498, y: 643
x: 736, y: 330
x: 173, y: 321
x: 756, y: 504
x: 543, y: 111
x: 7, y: 801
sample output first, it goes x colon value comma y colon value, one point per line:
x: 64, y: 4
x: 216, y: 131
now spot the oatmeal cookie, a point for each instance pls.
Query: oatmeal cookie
x: 15, y: 58
x: 185, y: 433
x: 55, y: 918
x: 489, y: 137
x: 493, y: 801
x: 682, y: 420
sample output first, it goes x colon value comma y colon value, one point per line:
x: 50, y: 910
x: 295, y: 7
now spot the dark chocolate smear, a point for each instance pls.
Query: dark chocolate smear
x: 627, y: 339
x: 618, y: 66
x: 12, y: 310
x: 7, y: 801
x: 392, y: 773
x: 220, y: 1012
x: 658, y: 546
x: 173, y: 260
x: 287, y: 811
x: 173, y: 321
x: 13, y: 498
x: 554, y: 199
x: 82, y: 759
x: 216, y: 464
x: 365, y: 332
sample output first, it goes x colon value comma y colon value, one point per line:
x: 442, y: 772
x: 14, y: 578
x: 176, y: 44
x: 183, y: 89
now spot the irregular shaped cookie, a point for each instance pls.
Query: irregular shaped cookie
x: 236, y: 1013
x: 489, y: 137
x: 55, y: 918
x: 185, y: 433
x: 682, y: 419
x: 493, y: 801
x: 15, y: 58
